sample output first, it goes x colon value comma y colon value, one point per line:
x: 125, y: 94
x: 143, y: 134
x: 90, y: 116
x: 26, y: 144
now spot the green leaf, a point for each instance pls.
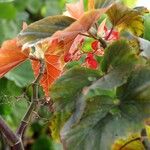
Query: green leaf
x: 87, y: 45
x: 102, y: 122
x: 106, y: 118
x: 129, y: 2
x: 7, y: 11
x: 11, y: 102
x: 44, y: 28
x: 22, y: 75
x: 147, y: 27
x: 43, y: 142
x: 137, y: 86
x: 119, y: 55
x: 145, y: 47
x: 5, y: 1
x: 8, y: 91
x: 18, y: 109
x: 72, y: 83
x: 125, y: 18
x: 64, y: 93
x: 140, y: 45
x: 112, y: 80
x: 103, y: 3
x: 98, y: 114
x: 72, y: 64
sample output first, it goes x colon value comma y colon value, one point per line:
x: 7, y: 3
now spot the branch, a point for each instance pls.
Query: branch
x: 12, y: 138
x: 103, y: 43
x: 108, y: 36
x: 34, y: 103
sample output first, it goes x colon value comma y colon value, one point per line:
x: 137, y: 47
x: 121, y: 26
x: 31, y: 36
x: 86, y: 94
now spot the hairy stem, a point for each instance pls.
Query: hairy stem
x: 11, y: 137
x: 34, y: 103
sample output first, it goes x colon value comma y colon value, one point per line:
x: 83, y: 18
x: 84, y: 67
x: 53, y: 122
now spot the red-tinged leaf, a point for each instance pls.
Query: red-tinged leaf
x: 78, y: 41
x: 76, y: 10
x: 80, y: 26
x: 99, y: 52
x: 114, y: 35
x: 102, y: 28
x: 67, y: 57
x: 10, y: 56
x: 91, y: 62
x: 111, y: 35
x: 95, y: 45
x: 74, y: 52
x: 53, y: 69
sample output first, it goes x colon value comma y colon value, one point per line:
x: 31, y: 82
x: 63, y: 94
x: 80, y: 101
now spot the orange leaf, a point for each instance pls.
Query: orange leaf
x: 60, y: 43
x: 91, y: 4
x: 76, y: 10
x: 10, y: 56
x: 52, y: 66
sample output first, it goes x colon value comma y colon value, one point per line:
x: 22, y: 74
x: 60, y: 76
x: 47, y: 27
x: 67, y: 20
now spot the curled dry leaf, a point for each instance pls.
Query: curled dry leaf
x: 11, y: 56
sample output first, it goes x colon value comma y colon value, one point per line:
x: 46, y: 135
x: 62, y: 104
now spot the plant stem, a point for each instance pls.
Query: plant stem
x: 103, y: 43
x: 85, y: 35
x: 34, y: 103
x: 15, y: 139
x: 11, y: 137
x: 107, y: 37
x: 3, y: 143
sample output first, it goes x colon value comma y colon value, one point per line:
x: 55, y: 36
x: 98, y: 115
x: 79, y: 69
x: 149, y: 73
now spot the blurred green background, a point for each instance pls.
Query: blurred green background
x: 13, y: 101
x: 13, y: 13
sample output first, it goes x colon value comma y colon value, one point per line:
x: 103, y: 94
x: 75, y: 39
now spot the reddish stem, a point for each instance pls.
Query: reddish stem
x: 108, y: 36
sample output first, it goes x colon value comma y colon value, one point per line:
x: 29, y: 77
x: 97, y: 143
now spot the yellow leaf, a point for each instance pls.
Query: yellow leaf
x: 125, y: 18
x: 57, y: 123
x: 133, y: 142
x: 147, y: 128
